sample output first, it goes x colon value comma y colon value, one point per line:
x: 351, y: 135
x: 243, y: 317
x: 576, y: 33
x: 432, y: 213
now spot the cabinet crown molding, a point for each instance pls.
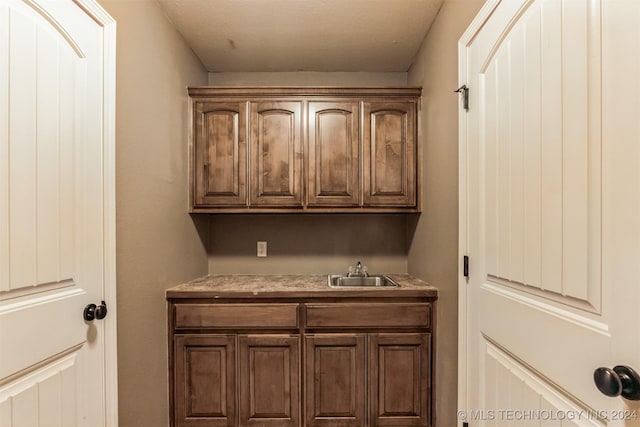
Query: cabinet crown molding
x: 278, y: 91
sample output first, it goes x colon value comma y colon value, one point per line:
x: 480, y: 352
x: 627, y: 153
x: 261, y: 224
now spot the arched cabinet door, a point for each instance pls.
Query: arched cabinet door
x: 334, y: 154
x: 276, y: 153
x: 389, y: 160
x: 219, y: 154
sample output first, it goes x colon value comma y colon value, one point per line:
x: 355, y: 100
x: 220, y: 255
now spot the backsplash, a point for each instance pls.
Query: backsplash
x: 307, y: 243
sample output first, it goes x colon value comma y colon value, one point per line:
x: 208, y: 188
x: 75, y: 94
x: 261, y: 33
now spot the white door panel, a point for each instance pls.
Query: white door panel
x: 621, y: 172
x: 522, y: 399
x: 538, y: 217
x: 44, y: 397
x: 56, y: 213
x: 550, y: 207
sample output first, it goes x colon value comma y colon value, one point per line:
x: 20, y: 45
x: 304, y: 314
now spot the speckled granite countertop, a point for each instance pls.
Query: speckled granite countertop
x: 292, y: 286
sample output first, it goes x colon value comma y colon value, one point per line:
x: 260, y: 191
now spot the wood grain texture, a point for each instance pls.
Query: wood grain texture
x: 306, y: 151
x: 306, y: 91
x: 276, y: 153
x: 269, y: 380
x: 365, y: 362
x: 220, y: 154
x: 335, y: 367
x: 368, y: 315
x: 399, y: 379
x: 334, y: 154
x: 249, y: 316
x: 206, y: 373
x: 389, y: 153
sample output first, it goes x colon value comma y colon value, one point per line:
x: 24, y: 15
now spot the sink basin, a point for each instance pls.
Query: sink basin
x: 373, y: 281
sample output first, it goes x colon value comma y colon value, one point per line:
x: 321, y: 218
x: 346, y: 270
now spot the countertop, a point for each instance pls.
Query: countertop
x: 293, y: 286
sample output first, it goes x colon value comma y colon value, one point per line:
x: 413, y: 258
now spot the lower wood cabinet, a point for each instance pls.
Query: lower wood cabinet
x: 389, y: 387
x: 335, y: 371
x: 399, y: 379
x: 336, y: 364
x: 269, y: 372
x: 208, y: 376
x: 205, y: 380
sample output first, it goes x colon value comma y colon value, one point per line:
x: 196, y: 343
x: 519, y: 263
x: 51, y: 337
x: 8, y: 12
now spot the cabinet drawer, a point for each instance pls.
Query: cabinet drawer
x: 236, y: 316
x: 369, y: 315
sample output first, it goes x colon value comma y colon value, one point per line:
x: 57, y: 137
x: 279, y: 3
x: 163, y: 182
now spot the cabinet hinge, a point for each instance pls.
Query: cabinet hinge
x: 465, y: 424
x: 465, y: 96
x: 465, y: 266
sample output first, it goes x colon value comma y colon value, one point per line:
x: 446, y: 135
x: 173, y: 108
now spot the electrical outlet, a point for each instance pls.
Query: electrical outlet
x: 262, y: 249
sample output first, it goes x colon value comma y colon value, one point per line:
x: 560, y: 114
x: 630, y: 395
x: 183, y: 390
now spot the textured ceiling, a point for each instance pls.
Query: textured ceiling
x: 303, y: 35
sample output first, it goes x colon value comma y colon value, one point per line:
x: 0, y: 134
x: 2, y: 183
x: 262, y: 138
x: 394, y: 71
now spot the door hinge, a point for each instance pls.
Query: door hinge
x: 465, y: 96
x: 465, y: 266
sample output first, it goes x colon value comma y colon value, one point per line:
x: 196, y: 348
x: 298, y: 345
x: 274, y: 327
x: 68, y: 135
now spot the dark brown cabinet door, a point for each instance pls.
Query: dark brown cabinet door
x: 220, y: 154
x: 389, y: 154
x: 334, y: 146
x: 205, y: 380
x: 269, y: 370
x: 335, y: 369
x: 276, y: 154
x: 399, y: 379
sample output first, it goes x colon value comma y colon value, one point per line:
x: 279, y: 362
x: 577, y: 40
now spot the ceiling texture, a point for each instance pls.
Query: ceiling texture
x: 303, y: 35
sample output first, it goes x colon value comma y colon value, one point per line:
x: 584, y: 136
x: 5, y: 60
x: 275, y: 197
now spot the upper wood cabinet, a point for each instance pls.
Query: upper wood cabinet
x: 334, y: 154
x: 219, y: 167
x: 389, y: 154
x: 304, y: 149
x: 276, y: 154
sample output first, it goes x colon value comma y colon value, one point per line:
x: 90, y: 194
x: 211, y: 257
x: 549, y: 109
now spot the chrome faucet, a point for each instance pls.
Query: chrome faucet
x: 360, y: 271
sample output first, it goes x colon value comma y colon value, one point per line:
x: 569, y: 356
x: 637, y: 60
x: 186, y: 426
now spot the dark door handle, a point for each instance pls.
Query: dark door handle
x: 619, y: 381
x: 92, y: 311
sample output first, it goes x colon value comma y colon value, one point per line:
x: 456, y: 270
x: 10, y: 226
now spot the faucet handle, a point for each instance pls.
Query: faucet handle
x: 349, y: 271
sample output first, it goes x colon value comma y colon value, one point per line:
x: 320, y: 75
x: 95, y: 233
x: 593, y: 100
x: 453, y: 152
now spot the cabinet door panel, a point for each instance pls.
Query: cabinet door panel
x: 220, y: 154
x: 204, y: 378
x: 333, y: 154
x: 269, y: 380
x: 400, y: 379
x: 389, y: 154
x: 276, y: 153
x: 335, y: 380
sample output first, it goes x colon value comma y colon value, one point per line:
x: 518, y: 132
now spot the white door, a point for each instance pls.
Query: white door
x: 56, y: 214
x: 550, y: 211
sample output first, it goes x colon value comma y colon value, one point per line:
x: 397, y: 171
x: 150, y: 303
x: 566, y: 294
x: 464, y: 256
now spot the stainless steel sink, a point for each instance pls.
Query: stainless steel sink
x: 373, y: 281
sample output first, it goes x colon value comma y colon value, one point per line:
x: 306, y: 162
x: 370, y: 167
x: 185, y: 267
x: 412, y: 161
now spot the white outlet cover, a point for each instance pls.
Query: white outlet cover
x: 262, y: 249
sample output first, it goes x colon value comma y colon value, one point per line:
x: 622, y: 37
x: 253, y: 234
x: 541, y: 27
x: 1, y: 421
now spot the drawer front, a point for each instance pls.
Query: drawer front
x: 369, y: 315
x: 236, y: 316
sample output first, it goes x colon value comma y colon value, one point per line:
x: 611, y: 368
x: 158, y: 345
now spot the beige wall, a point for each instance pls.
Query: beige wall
x: 433, y: 254
x: 308, y: 244
x: 308, y: 78
x: 158, y: 244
